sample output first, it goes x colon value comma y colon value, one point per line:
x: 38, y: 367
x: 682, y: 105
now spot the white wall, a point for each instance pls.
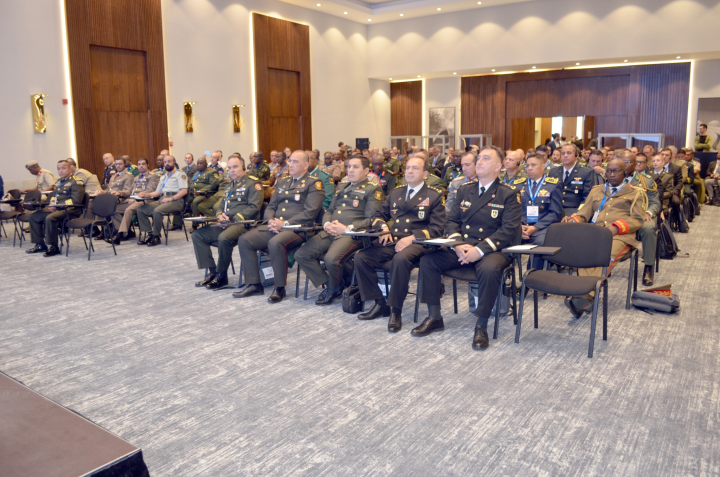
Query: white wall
x: 546, y: 32
x: 32, y: 62
x: 208, y: 60
x: 705, y: 84
x: 442, y: 93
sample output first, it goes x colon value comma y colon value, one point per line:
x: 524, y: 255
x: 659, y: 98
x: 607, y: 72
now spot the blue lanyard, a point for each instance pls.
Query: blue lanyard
x: 282, y: 170
x: 195, y: 177
x: 167, y: 178
x: 606, y: 197
x: 530, y: 194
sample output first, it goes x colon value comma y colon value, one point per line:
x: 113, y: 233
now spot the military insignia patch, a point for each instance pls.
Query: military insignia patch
x: 356, y: 203
x: 318, y: 185
x: 494, y: 213
x: 425, y: 202
x: 378, y: 195
x: 421, y: 214
x: 258, y: 186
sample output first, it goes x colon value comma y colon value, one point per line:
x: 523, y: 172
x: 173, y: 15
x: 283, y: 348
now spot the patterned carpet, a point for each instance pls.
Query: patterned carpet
x: 214, y: 386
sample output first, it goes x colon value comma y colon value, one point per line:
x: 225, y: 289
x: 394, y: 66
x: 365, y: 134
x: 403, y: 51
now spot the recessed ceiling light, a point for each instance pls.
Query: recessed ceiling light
x: 402, y: 15
x: 369, y: 19
x: 344, y: 13
x: 390, y: 79
x: 439, y: 9
x: 454, y: 72
x: 678, y: 57
x: 479, y: 3
x: 493, y: 70
x: 534, y: 67
x: 625, y: 61
x: 319, y: 5
x: 418, y: 76
x: 577, y: 64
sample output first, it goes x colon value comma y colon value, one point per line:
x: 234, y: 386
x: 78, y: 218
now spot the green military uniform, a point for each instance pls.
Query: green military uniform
x: 68, y: 191
x: 647, y: 233
x: 451, y: 172
x: 328, y: 185
x: 132, y: 168
x: 206, y: 208
x: 392, y: 166
x: 202, y: 185
x: 352, y: 206
x: 261, y: 171
x: 509, y: 180
x: 159, y: 171
x: 240, y: 200
x: 125, y: 211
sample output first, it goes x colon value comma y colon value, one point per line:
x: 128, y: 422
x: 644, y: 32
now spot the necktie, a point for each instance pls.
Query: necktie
x: 532, y: 187
x: 294, y: 182
x: 613, y: 190
x: 410, y: 194
x: 567, y: 174
x: 482, y: 190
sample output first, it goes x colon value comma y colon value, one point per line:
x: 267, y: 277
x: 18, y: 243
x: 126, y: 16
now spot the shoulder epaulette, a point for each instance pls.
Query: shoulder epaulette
x: 520, y: 180
x: 253, y: 177
x: 551, y: 180
x: 599, y: 185
x: 435, y: 189
x: 400, y: 185
x: 458, y: 179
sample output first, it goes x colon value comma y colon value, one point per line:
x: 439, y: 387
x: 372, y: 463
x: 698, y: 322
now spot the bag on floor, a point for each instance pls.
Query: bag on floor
x: 351, y: 300
x: 267, y: 276
x: 656, y: 299
x: 688, y: 208
x: 678, y: 220
x: 716, y: 195
x: 667, y: 246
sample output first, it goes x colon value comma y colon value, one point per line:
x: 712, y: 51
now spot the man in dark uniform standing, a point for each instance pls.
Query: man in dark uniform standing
x: 576, y: 181
x: 353, y: 205
x: 45, y: 223
x: 242, y: 200
x: 297, y: 200
x: 487, y: 217
x: 414, y: 208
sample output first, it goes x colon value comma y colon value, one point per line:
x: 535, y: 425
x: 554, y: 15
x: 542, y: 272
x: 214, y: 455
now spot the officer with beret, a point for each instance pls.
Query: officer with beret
x: 487, y: 217
x: 415, y: 208
x: 45, y: 223
x: 203, y: 183
x: 297, y: 200
x: 241, y: 200
x: 44, y: 181
x: 353, y: 205
x: 576, y: 181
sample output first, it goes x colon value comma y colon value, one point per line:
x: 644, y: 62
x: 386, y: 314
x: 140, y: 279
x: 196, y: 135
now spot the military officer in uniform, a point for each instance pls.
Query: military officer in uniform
x: 618, y: 206
x: 171, y: 191
x: 327, y: 180
x: 487, y: 216
x: 44, y: 181
x: 145, y: 182
x: 241, y: 200
x: 576, y: 181
x: 467, y: 162
x: 415, y: 209
x: 512, y: 171
x: 387, y: 180
x: 160, y: 162
x: 353, y: 205
x: 391, y: 164
x: 258, y: 167
x: 297, y: 200
x: 120, y: 185
x: 45, y: 223
x: 203, y: 183
x: 90, y: 180
x: 648, y: 232
x: 541, y: 203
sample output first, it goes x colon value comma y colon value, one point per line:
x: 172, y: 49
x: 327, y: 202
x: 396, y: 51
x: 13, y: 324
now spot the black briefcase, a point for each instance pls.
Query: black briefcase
x: 351, y: 300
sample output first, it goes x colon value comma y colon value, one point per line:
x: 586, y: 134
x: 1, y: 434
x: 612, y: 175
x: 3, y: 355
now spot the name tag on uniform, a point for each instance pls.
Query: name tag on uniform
x: 595, y: 217
x: 533, y: 213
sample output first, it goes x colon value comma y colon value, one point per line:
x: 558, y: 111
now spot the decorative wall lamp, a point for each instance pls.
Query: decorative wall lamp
x: 236, y: 117
x: 188, y: 107
x: 38, y: 110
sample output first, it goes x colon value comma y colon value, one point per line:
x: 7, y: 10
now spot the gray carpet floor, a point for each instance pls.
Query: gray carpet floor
x: 214, y: 386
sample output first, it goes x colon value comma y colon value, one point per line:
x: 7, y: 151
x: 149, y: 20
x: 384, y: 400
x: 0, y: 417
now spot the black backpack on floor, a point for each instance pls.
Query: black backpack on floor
x: 667, y: 246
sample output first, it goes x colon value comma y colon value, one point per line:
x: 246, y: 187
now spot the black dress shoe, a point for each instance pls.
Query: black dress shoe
x: 37, y: 249
x: 116, y: 239
x: 395, y: 323
x: 218, y: 282
x: 428, y: 326
x: 129, y: 235
x: 648, y: 276
x: 153, y: 241
x: 576, y: 312
x: 52, y: 251
x: 175, y: 227
x: 206, y: 280
x: 250, y: 290
x: 480, y: 341
x: 376, y: 312
x: 327, y: 297
x: 277, y: 295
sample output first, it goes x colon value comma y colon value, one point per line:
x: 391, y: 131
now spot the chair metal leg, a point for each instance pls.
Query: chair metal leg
x: 593, y: 322
x: 605, y: 309
x: 187, y: 239
x: 307, y: 282
x: 513, y: 289
x: 535, y: 308
x: 455, y: 295
x: 635, y: 275
x: 497, y: 311
x: 240, y: 277
x: 297, y: 281
x: 387, y: 284
x: 90, y: 249
x: 166, y: 227
x: 520, y: 312
x: 417, y: 299
x: 630, y: 281
x: 232, y: 265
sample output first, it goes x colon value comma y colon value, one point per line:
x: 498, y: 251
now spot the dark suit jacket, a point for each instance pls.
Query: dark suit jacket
x: 676, y: 172
x: 711, y: 168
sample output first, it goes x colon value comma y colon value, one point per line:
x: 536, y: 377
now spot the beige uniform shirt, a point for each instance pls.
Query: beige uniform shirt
x: 122, y: 182
x: 44, y: 180
x: 92, y: 184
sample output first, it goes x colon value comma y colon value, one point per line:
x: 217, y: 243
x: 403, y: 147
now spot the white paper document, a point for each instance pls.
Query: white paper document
x: 520, y: 248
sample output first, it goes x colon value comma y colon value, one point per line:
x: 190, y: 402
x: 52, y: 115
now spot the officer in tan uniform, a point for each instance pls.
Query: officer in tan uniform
x: 91, y: 181
x: 44, y: 179
x: 297, y: 200
x: 145, y: 183
x: 120, y: 185
x: 352, y: 206
x: 618, y: 206
x: 171, y: 191
x: 241, y: 200
x: 203, y: 184
x: 45, y: 223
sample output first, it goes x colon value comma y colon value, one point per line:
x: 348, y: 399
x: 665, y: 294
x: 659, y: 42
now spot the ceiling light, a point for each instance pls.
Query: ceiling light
x: 493, y: 70
x: 439, y: 9
x: 625, y: 61
x: 479, y: 3
x: 454, y: 72
x: 319, y: 5
x: 344, y: 13
x: 369, y: 19
x: 577, y: 64
x: 534, y: 67
x: 678, y: 57
x: 402, y: 15
x: 390, y: 79
x: 418, y: 76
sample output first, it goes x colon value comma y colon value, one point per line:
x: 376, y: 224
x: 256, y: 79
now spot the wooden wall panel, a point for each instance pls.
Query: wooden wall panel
x: 651, y: 99
x: 104, y: 27
x: 282, y: 84
x: 406, y: 108
x: 522, y: 133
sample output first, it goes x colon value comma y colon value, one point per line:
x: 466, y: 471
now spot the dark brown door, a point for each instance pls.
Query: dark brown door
x: 120, y: 104
x: 588, y: 130
x: 522, y: 135
x: 284, y: 111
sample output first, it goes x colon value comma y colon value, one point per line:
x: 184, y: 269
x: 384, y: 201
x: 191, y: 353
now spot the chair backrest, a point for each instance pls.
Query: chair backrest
x: 85, y: 202
x: 104, y: 205
x: 15, y: 193
x: 581, y: 245
x: 28, y: 183
x: 32, y: 196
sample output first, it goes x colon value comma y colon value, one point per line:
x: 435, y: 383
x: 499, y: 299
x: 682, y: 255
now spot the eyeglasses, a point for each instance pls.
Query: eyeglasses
x: 614, y: 171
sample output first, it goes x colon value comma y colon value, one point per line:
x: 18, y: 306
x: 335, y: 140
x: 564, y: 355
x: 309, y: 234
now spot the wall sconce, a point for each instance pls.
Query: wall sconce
x: 38, y: 109
x: 188, y: 107
x: 236, y: 117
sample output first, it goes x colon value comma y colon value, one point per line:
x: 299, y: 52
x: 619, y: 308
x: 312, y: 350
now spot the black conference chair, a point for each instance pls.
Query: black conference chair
x: 104, y: 206
x: 31, y: 197
x: 170, y: 215
x: 581, y: 246
x: 13, y: 195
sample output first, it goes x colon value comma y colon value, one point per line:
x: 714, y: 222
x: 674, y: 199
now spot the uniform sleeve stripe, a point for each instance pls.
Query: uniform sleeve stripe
x: 491, y: 244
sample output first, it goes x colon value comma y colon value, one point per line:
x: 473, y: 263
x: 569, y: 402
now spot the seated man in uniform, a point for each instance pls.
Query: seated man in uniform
x: 430, y: 179
x: 467, y: 162
x: 160, y: 162
x: 334, y: 170
x: 297, y: 200
x: 145, y: 182
x: 512, y: 171
x: 711, y: 179
x: 452, y: 169
x: 353, y: 205
x: 258, y: 167
x: 541, y: 203
x: 171, y: 190
x: 487, y: 216
x: 203, y: 184
x: 45, y: 223
x: 576, y: 181
x: 328, y: 183
x: 595, y: 163
x: 618, y: 206
x: 241, y: 200
x: 44, y: 180
x: 120, y: 185
x: 415, y: 208
x: 90, y: 180
x: 387, y: 180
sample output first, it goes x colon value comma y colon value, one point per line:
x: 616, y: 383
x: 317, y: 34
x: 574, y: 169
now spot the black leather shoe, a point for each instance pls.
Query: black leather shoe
x: 206, y: 280
x: 175, y: 227
x: 327, y: 297
x: 376, y: 312
x: 37, y: 249
x: 277, y: 295
x: 648, y: 276
x: 154, y: 241
x: 428, y: 326
x: 249, y: 290
x: 218, y: 282
x: 395, y: 323
x: 129, y: 235
x: 576, y: 312
x: 116, y: 239
x: 480, y: 341
x: 52, y: 251
x: 97, y: 233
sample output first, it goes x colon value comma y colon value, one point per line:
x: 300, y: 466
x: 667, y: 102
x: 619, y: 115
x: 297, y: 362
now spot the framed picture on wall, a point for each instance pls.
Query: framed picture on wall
x: 442, y: 122
x: 709, y: 113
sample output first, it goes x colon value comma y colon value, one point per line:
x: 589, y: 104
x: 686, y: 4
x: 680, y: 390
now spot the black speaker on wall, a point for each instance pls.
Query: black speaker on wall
x: 362, y: 143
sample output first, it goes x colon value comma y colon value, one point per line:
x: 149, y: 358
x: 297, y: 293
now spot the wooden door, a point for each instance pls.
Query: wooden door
x: 284, y: 111
x: 522, y: 133
x: 588, y: 130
